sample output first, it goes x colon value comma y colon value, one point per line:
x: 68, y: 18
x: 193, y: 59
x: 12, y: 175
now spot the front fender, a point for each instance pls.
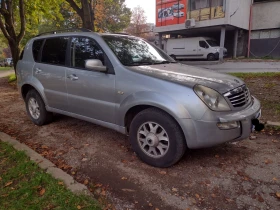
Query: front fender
x: 155, y: 99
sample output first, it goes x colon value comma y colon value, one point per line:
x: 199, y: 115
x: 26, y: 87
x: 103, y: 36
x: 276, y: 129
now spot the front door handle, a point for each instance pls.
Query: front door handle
x: 38, y: 71
x: 73, y: 77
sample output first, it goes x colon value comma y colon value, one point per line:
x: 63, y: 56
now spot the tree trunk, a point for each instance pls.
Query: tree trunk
x: 88, y: 14
x: 15, y: 53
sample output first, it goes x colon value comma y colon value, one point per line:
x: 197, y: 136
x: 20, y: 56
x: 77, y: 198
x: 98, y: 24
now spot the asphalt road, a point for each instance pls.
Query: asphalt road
x: 237, y: 67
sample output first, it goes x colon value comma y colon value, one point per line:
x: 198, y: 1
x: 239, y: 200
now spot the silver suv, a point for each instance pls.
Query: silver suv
x: 126, y: 84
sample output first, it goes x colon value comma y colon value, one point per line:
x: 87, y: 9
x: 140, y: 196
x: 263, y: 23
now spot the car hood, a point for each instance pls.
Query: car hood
x: 190, y: 76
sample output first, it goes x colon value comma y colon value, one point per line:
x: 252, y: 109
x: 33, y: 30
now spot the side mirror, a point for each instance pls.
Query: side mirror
x: 95, y: 65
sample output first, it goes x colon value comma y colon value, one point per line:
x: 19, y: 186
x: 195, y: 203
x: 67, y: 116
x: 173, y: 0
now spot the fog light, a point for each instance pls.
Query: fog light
x: 228, y: 125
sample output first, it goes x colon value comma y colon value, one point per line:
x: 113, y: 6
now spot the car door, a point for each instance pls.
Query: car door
x: 203, y: 49
x: 50, y: 59
x: 90, y: 93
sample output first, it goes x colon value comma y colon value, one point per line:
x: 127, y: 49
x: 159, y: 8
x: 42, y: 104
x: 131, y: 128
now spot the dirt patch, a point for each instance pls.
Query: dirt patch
x: 244, y: 175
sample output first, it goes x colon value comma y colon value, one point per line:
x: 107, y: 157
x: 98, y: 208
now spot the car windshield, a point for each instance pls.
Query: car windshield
x: 212, y: 43
x: 133, y: 51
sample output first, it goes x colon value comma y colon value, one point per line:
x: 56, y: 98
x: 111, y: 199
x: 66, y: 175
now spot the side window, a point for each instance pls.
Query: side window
x: 82, y: 49
x: 36, y: 48
x: 203, y: 44
x: 54, y: 51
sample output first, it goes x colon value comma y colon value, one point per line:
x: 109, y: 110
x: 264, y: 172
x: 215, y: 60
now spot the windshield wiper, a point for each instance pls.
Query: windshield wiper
x: 164, y: 62
x: 139, y: 63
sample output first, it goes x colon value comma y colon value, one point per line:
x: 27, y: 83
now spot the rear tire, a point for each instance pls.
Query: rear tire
x: 157, y: 138
x: 36, y: 109
x: 211, y: 57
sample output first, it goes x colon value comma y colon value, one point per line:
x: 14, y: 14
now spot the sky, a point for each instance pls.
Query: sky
x: 147, y: 5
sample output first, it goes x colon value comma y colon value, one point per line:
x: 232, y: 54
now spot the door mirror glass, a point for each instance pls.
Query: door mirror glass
x: 96, y: 65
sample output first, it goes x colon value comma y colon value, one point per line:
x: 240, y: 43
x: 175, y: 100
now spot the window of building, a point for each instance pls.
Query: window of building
x: 36, y: 48
x: 82, y: 49
x: 201, y: 4
x: 54, y: 51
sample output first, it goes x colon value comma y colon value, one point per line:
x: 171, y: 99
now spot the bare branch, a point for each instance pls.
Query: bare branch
x: 75, y: 7
x: 3, y: 29
x: 22, y: 21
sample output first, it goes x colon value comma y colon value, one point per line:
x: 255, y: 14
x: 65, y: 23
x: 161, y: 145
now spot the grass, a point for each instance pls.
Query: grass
x: 5, y: 68
x: 23, y: 185
x: 255, y: 75
x: 12, y: 78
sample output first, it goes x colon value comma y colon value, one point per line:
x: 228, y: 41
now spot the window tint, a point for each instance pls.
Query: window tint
x: 82, y: 49
x: 36, y: 48
x: 54, y: 51
x: 203, y: 44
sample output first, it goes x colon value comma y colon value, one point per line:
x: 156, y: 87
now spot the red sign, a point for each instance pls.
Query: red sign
x: 171, y: 12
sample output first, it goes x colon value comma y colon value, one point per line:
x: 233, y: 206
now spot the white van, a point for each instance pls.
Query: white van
x: 194, y: 48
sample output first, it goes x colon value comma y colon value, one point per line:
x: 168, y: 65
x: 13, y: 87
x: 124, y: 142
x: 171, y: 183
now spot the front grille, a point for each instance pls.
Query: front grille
x: 239, y: 97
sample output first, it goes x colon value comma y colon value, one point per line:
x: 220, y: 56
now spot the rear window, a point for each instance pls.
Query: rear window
x: 36, y: 49
x: 54, y: 51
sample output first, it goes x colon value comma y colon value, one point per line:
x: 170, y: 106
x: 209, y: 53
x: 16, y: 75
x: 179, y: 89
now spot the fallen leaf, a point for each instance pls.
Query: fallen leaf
x: 213, y: 195
x: 103, y: 192
x: 73, y: 172
x: 5, y: 195
x: 84, y: 159
x: 136, y: 202
x: 86, y: 182
x: 174, y: 189
x: 268, y: 161
x: 0, y: 178
x: 278, y: 194
x: 275, y: 141
x: 60, y: 183
x: 150, y: 204
x: 229, y: 200
x: 98, y: 185
x: 124, y: 178
x: 128, y: 190
x: 217, y: 156
x: 156, y: 208
x: 8, y: 184
x: 197, y: 196
x: 44, y: 147
x: 163, y: 172
x: 79, y: 207
x: 42, y: 191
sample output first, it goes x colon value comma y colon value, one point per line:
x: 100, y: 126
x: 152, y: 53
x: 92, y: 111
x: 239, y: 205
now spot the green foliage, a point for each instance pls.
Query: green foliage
x: 112, y: 16
x: 12, y: 78
x: 25, y: 186
x: 5, y: 68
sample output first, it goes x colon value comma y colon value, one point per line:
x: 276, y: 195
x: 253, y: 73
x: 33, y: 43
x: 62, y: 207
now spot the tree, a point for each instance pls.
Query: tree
x: 20, y: 17
x: 8, y: 27
x: 118, y: 19
x: 138, y: 25
x: 7, y: 52
x: 86, y: 12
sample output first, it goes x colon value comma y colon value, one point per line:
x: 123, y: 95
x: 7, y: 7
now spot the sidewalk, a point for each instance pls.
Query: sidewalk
x: 244, y: 67
x: 6, y: 73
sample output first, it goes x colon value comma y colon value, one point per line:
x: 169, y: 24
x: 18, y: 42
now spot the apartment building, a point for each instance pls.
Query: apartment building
x: 235, y: 23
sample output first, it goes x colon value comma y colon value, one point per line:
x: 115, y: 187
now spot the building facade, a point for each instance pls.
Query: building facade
x: 228, y: 21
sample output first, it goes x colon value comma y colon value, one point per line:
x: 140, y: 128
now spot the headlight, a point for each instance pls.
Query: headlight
x: 217, y: 50
x: 214, y: 100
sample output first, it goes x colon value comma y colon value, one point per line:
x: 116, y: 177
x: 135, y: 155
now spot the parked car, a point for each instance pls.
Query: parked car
x: 178, y: 6
x: 194, y: 48
x: 165, y: 107
x: 8, y: 62
x: 178, y: 14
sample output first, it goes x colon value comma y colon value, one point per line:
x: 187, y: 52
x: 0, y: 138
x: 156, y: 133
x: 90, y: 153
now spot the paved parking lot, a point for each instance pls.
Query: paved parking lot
x: 245, y: 175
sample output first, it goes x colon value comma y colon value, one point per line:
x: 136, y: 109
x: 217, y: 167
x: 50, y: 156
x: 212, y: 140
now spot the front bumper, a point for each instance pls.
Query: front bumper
x: 205, y: 133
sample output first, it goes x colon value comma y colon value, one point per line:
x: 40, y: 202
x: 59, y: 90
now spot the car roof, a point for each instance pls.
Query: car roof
x: 78, y: 34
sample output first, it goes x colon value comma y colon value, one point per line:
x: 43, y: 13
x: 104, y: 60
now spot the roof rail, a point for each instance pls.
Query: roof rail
x: 65, y: 30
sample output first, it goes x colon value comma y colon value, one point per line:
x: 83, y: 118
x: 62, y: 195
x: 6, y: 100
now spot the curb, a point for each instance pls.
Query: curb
x: 47, y: 166
x: 273, y: 124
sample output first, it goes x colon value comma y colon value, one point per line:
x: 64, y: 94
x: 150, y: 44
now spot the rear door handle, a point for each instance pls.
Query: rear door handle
x: 38, y: 71
x: 73, y: 77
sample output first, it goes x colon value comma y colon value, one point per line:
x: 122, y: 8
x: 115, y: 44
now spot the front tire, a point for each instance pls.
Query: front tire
x: 36, y: 108
x: 211, y: 57
x: 157, y: 138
